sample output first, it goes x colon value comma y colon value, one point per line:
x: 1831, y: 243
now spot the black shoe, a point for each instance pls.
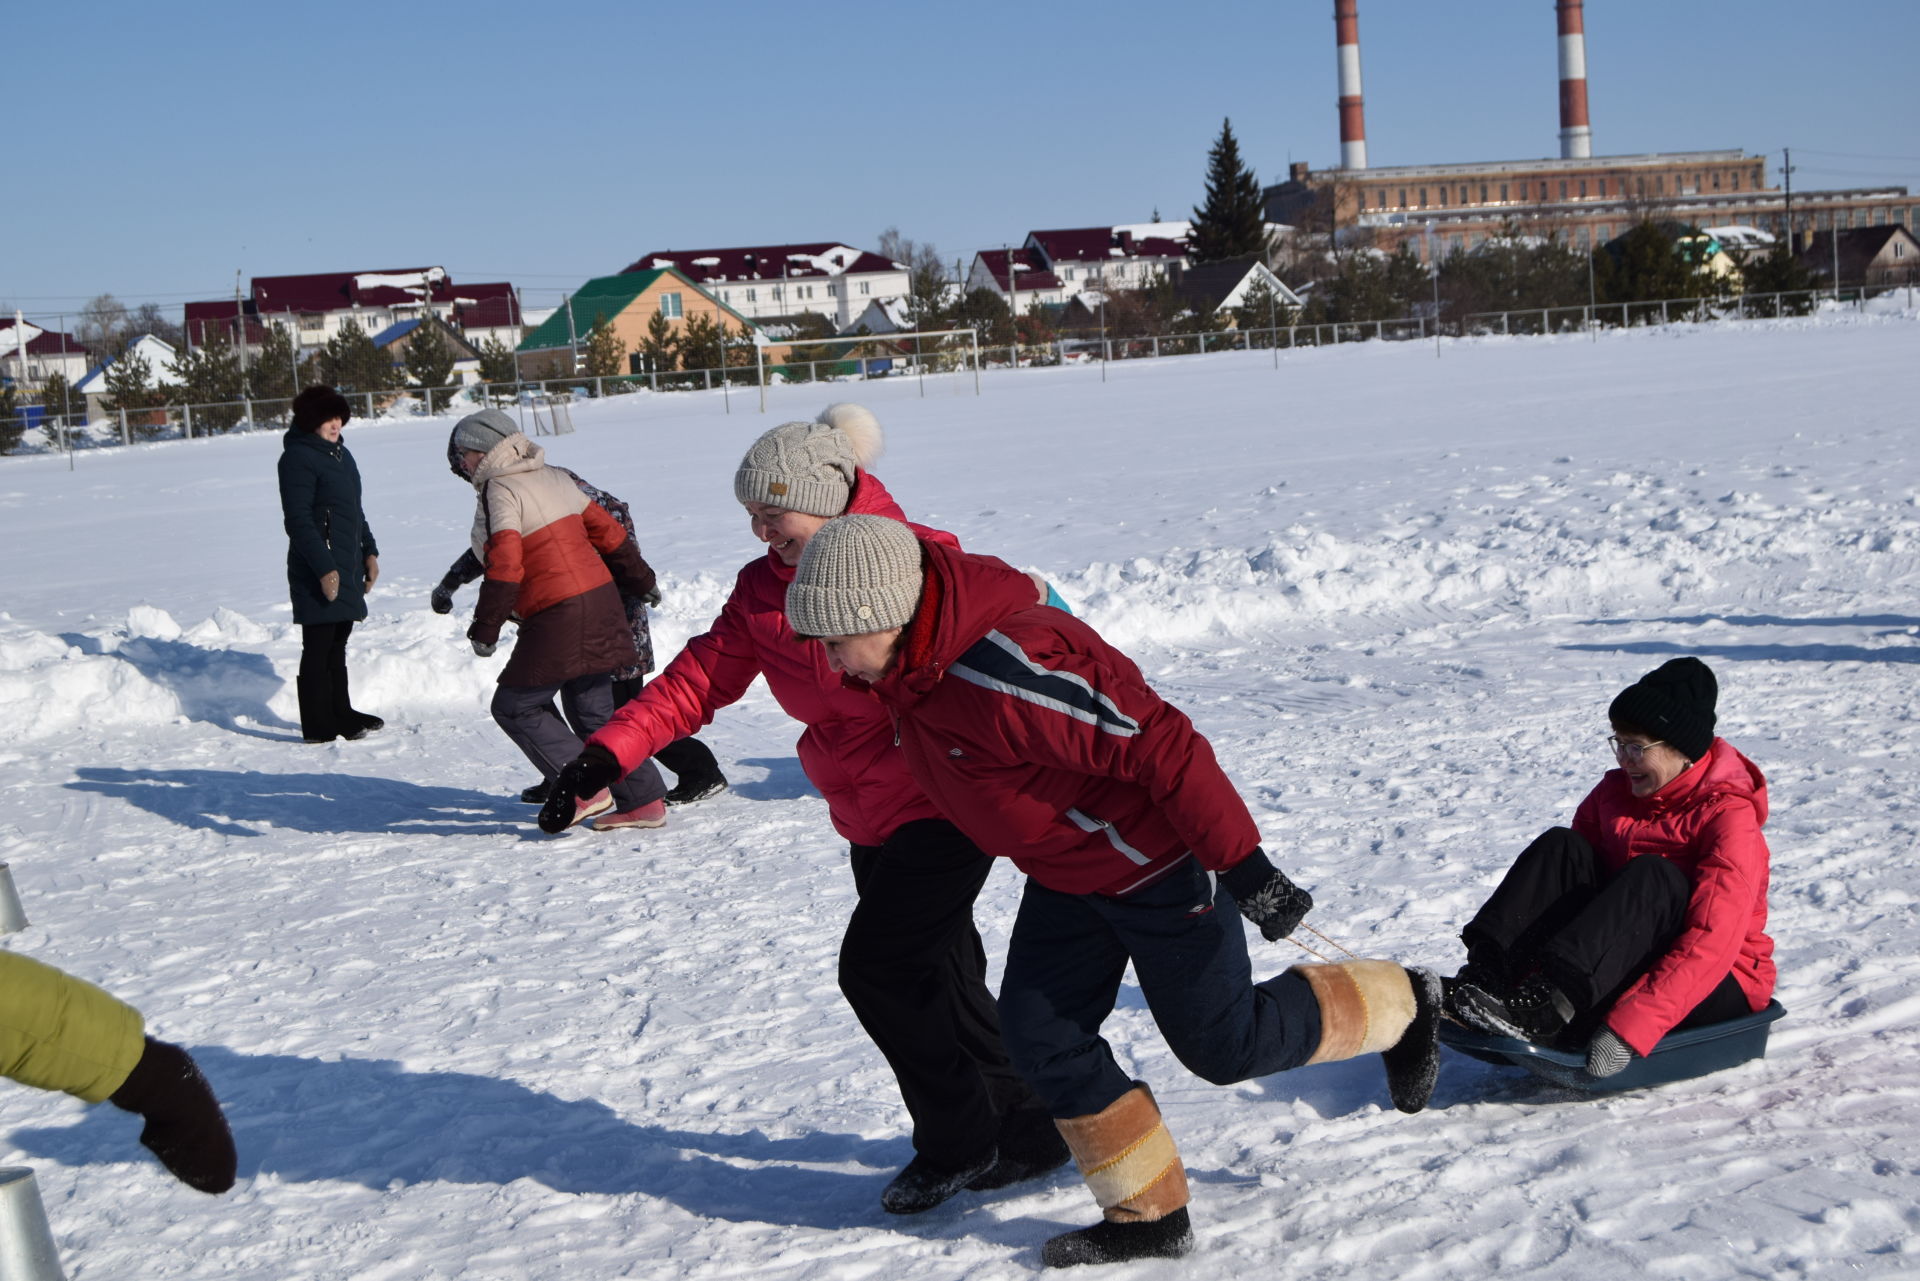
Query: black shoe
x: 923, y: 1185
x: 1413, y: 1062
x: 368, y: 723
x: 1030, y: 1145
x: 1167, y: 1237
x: 538, y: 793
x: 317, y: 738
x: 686, y: 791
x: 1534, y: 1010
x: 354, y: 734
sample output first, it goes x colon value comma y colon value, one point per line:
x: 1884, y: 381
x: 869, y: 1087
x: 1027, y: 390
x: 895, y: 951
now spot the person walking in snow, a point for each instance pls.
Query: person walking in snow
x: 697, y: 773
x: 332, y: 561
x: 912, y: 966
x: 58, y: 1032
x: 1649, y: 913
x: 1045, y: 745
x: 558, y: 563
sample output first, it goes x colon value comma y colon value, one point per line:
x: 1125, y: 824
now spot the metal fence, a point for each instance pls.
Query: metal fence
x: 542, y: 403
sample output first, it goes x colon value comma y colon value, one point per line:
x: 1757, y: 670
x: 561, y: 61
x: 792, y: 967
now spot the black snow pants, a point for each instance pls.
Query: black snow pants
x: 326, y: 710
x: 915, y: 972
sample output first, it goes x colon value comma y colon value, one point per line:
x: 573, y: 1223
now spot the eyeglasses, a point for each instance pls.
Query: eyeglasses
x: 1629, y: 751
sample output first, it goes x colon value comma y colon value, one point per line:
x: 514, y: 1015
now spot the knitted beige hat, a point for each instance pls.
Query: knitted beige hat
x: 858, y: 574
x: 810, y: 467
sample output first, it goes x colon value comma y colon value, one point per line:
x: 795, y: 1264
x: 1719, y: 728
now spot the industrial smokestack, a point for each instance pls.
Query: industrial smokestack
x: 1576, y: 139
x: 1353, y: 117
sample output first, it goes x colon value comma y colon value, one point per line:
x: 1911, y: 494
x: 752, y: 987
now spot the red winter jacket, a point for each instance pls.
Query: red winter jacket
x: 847, y: 749
x: 1044, y: 744
x: 1707, y: 822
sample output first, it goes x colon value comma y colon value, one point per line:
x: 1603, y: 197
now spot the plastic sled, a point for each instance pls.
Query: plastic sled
x: 1678, y: 1057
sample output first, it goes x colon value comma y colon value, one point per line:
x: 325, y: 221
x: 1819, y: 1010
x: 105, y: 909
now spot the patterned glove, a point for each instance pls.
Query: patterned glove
x: 1265, y: 896
x: 587, y: 774
x: 1607, y: 1053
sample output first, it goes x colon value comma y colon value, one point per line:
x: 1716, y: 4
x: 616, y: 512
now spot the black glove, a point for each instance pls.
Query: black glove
x: 441, y: 599
x: 185, y: 1127
x: 588, y: 774
x: 652, y: 599
x: 484, y: 648
x: 1265, y: 895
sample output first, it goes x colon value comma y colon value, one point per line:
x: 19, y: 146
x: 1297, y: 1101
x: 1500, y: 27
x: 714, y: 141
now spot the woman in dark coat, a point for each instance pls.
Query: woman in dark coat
x: 332, y: 560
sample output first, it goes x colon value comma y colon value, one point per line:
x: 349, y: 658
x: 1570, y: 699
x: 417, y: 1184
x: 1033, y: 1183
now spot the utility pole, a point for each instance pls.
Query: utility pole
x: 240, y: 321
x: 1786, y: 176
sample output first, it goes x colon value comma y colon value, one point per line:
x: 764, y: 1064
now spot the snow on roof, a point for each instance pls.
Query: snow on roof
x: 1737, y: 234
x: 408, y: 280
x: 1156, y: 230
x: 708, y: 261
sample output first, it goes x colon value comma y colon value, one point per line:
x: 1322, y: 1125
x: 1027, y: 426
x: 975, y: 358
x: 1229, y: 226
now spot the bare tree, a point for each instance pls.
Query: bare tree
x: 927, y: 282
x: 104, y: 327
x: 149, y: 318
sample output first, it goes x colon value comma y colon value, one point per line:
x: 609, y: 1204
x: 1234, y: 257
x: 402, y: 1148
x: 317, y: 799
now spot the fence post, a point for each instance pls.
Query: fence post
x: 1156, y: 347
x: 369, y: 396
x: 126, y: 436
x: 247, y: 405
x: 429, y: 392
x: 186, y: 412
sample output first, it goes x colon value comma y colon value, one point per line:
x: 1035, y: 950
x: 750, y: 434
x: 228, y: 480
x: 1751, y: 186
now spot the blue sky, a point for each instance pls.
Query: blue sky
x: 163, y: 147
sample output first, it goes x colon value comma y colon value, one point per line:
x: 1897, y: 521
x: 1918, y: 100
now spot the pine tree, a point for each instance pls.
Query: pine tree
x: 657, y: 348
x: 12, y: 426
x: 350, y: 362
x: 1232, y: 223
x: 429, y: 357
x: 210, y: 379
x: 130, y: 386
x: 606, y: 354
x: 701, y: 346
x: 270, y: 375
x: 57, y: 398
x: 497, y: 362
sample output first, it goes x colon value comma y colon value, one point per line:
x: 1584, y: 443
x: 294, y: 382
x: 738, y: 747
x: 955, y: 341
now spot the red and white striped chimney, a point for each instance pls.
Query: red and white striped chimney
x: 1576, y: 139
x: 1353, y: 117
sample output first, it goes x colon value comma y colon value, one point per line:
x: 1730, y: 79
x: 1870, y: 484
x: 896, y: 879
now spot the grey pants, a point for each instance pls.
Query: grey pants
x: 527, y: 714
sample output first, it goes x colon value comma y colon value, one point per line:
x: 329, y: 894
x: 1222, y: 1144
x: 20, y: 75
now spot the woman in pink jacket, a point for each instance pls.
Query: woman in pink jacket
x: 1650, y: 912
x: 911, y: 964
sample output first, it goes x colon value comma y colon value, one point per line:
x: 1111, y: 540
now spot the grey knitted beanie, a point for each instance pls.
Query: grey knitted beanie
x: 858, y: 574
x: 810, y: 467
x: 483, y: 430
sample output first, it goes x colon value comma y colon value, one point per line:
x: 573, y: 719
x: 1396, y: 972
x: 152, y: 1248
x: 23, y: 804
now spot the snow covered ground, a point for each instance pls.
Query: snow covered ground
x: 1397, y: 592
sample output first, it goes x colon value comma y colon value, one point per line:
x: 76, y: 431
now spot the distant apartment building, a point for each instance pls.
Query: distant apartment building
x: 1052, y: 267
x: 29, y: 355
x: 829, y: 278
x: 315, y: 307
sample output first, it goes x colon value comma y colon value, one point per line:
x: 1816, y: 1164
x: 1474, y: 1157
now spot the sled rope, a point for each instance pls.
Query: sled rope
x: 1324, y: 939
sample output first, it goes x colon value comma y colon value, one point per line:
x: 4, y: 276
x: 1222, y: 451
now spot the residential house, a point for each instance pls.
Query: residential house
x: 1874, y: 257
x: 29, y: 355
x: 628, y: 302
x: 1217, y: 288
x: 828, y: 277
x: 1018, y: 275
x: 315, y: 307
x: 1052, y: 267
x: 159, y: 356
x: 396, y: 338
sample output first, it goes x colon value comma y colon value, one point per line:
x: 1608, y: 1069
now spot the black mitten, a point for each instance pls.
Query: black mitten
x: 1265, y: 896
x: 588, y: 774
x: 185, y: 1127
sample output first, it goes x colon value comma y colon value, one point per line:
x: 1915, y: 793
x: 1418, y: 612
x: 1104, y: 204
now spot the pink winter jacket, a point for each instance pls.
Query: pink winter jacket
x: 847, y: 749
x: 1707, y: 822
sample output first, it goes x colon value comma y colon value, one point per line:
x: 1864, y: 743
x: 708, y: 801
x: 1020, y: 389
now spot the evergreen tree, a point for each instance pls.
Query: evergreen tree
x: 210, y: 380
x: 985, y: 311
x: 606, y: 354
x: 658, y: 347
x: 701, y: 345
x: 12, y: 426
x: 130, y: 386
x: 350, y: 362
x: 1232, y: 222
x: 1261, y: 311
x: 270, y: 375
x: 1642, y: 266
x: 497, y: 362
x: 1513, y: 273
x: 57, y: 398
x: 1778, y: 272
x: 429, y: 357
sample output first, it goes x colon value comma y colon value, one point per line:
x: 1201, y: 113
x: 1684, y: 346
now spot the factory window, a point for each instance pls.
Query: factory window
x: 1736, y: 181
x: 1716, y: 182
x: 1503, y: 193
x: 1543, y: 191
x: 1423, y: 197
x: 1403, y: 197
x: 1879, y: 217
x: 1583, y: 189
x: 1659, y: 184
x: 1463, y: 193
x: 1380, y: 199
x: 1483, y: 193
x: 1563, y: 189
x: 1603, y: 188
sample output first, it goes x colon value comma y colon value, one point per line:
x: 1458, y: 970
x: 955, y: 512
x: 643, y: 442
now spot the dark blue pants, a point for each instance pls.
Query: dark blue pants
x: 1183, y: 935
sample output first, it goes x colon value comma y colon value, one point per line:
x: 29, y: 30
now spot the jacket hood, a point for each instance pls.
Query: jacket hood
x: 964, y: 597
x: 514, y: 454
x: 869, y: 498
x: 1723, y: 771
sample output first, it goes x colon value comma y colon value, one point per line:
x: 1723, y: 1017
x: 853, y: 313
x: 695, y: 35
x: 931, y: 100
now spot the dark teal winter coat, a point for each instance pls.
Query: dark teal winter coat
x: 326, y: 530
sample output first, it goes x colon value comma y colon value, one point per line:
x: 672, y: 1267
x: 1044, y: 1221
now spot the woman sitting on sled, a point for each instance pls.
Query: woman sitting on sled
x: 1649, y: 913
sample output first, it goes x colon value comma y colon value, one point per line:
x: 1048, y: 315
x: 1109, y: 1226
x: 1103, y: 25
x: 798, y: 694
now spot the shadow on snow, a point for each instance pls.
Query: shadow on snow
x: 214, y: 686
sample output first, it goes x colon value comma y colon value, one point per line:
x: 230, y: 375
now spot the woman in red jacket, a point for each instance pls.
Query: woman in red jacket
x: 911, y: 964
x: 1650, y: 912
x: 1045, y: 745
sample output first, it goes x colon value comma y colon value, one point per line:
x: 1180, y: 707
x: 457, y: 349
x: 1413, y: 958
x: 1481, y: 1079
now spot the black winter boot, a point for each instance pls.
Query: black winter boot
x: 1168, y: 1237
x: 1532, y: 1010
x: 185, y: 1127
x: 923, y: 1185
x: 538, y: 793
x: 696, y: 773
x: 1030, y: 1145
x: 1413, y: 1062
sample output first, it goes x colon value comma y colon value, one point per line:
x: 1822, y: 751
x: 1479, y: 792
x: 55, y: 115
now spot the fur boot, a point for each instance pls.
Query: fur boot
x: 1133, y: 1170
x: 1377, y: 1007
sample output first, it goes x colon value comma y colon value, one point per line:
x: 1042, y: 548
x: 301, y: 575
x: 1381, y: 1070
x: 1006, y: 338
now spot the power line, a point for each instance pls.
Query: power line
x: 1857, y: 155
